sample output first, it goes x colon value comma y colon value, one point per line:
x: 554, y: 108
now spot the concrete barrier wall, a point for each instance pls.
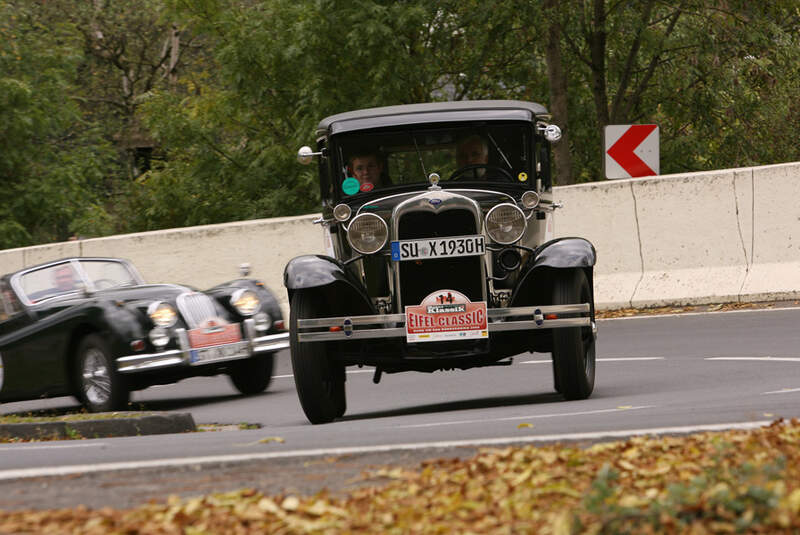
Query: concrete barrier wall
x: 728, y: 235
x: 720, y: 236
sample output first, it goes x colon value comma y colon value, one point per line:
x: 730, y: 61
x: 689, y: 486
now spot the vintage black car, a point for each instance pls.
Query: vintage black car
x: 438, y: 224
x: 91, y: 327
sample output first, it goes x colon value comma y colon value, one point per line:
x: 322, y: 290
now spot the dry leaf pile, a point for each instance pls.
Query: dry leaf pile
x: 730, y: 482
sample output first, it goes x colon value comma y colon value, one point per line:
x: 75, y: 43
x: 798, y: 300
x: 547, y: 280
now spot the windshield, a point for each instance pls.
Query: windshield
x: 459, y: 154
x: 70, y: 277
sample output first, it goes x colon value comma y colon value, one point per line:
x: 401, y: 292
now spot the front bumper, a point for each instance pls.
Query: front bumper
x: 393, y: 325
x: 253, y: 345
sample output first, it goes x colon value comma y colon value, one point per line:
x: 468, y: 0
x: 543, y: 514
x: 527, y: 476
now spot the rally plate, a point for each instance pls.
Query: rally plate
x: 446, y: 315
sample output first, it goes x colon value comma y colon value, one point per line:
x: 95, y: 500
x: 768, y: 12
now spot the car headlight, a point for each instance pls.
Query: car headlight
x: 367, y: 233
x: 162, y: 314
x: 505, y: 223
x: 246, y: 302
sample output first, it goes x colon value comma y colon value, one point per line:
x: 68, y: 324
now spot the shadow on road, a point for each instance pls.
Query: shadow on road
x: 460, y: 405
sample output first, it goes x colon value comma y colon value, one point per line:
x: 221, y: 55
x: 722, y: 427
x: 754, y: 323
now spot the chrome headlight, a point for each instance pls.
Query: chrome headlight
x: 342, y: 212
x: 530, y: 199
x: 505, y: 223
x: 367, y: 233
x: 162, y: 314
x: 246, y: 302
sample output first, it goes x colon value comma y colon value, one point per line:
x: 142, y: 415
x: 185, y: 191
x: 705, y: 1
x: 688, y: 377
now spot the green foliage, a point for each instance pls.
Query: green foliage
x: 226, y: 91
x: 52, y: 161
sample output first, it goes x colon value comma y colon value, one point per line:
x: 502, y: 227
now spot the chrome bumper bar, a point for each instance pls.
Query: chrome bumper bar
x: 500, y: 319
x: 182, y: 356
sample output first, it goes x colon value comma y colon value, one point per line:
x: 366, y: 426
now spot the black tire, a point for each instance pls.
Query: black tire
x: 253, y: 375
x: 573, y: 347
x: 318, y: 379
x: 100, y: 386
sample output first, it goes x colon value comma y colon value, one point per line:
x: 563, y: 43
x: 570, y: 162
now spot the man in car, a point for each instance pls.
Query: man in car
x: 473, y: 150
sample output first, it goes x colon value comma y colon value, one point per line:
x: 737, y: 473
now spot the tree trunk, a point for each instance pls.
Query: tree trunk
x: 597, y: 51
x: 557, y: 81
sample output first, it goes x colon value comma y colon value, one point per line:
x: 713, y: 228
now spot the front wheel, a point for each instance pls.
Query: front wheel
x: 318, y: 378
x: 253, y: 375
x: 100, y: 387
x: 573, y: 347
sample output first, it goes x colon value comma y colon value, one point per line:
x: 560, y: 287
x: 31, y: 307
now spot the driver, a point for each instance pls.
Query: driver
x: 367, y: 167
x: 473, y: 150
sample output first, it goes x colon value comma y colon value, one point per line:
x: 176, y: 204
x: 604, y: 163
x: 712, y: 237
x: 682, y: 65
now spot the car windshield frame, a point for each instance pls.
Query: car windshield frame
x: 42, y: 283
x: 416, y: 151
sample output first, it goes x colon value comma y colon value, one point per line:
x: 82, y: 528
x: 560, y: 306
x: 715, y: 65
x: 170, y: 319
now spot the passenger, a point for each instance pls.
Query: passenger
x: 473, y: 150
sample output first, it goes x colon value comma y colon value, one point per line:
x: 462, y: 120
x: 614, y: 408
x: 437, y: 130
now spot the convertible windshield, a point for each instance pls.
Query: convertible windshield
x: 377, y: 160
x: 70, y: 277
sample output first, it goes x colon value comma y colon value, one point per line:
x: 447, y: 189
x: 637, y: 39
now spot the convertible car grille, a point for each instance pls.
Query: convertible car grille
x: 196, y: 308
x: 420, y: 278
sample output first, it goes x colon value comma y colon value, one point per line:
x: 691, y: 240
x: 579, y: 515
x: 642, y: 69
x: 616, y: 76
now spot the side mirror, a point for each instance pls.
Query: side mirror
x: 552, y: 133
x: 305, y: 155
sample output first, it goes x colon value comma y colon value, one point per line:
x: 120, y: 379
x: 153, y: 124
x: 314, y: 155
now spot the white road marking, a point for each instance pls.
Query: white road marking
x: 767, y: 358
x: 527, y: 417
x: 782, y: 391
x: 502, y: 441
x: 348, y: 371
x: 54, y: 446
x: 610, y: 359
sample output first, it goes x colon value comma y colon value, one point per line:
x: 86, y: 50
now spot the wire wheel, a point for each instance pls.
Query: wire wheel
x: 100, y: 386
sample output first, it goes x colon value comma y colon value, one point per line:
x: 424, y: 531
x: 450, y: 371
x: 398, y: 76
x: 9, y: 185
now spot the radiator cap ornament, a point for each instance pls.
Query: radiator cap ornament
x: 433, y: 179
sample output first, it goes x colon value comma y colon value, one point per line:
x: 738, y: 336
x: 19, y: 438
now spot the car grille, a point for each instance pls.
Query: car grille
x: 420, y: 278
x: 196, y: 308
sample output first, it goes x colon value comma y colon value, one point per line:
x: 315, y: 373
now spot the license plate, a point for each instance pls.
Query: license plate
x: 438, y: 248
x: 226, y: 352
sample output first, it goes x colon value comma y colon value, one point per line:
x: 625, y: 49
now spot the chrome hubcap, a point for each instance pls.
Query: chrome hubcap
x: 96, y: 379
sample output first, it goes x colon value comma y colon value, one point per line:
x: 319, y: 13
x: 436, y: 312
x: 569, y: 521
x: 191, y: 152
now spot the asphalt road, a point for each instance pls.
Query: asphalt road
x: 652, y: 372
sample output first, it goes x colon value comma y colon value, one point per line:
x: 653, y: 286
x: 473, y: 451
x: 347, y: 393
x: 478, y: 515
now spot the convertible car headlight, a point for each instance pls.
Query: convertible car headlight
x: 367, y: 233
x: 505, y: 223
x: 162, y: 314
x: 246, y: 302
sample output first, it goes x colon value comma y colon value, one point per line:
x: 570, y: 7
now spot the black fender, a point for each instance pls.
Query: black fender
x: 562, y: 253
x: 345, y: 292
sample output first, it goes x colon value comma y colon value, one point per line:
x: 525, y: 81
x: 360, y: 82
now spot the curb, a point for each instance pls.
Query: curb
x: 135, y: 424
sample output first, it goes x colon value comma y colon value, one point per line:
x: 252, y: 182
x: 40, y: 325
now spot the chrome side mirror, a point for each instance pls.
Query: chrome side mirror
x: 552, y: 133
x: 305, y: 155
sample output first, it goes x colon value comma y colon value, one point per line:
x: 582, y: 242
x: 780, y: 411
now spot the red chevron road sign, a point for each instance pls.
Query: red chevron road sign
x: 631, y: 150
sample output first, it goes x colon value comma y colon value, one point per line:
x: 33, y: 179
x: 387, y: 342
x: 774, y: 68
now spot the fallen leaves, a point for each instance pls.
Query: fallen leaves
x: 729, y: 482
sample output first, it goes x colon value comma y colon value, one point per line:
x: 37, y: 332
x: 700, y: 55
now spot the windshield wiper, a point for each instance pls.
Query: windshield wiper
x: 499, y: 150
x: 419, y: 155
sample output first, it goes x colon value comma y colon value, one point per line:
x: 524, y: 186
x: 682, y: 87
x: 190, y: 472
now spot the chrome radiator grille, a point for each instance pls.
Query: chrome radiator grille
x: 196, y: 308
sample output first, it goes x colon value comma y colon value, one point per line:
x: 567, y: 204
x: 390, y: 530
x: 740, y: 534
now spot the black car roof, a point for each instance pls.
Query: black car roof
x: 432, y: 112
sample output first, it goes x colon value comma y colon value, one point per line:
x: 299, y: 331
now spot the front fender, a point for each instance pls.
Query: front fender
x: 533, y: 285
x: 318, y: 271
x: 564, y: 253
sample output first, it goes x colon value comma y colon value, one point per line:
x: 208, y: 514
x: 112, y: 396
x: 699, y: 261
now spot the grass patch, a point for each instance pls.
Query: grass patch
x: 35, y: 418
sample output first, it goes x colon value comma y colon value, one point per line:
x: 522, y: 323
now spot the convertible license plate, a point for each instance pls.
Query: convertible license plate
x: 226, y: 352
x: 438, y: 248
